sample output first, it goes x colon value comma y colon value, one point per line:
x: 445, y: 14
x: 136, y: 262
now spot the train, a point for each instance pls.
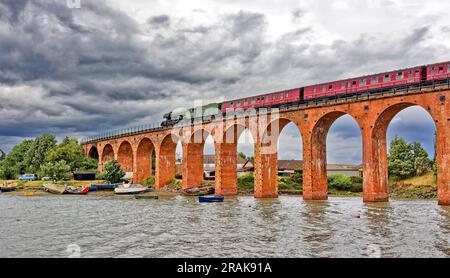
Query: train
x: 368, y: 84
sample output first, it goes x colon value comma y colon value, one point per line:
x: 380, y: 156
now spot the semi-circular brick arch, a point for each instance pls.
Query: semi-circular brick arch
x: 107, y: 154
x: 144, y: 152
x: 125, y: 156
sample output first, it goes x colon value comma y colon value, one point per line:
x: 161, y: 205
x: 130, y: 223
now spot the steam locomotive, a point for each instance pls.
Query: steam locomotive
x: 380, y: 82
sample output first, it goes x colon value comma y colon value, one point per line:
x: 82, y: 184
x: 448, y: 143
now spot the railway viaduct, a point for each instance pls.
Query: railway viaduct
x: 373, y: 113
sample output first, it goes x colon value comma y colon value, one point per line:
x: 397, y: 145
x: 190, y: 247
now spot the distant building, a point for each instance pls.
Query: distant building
x: 285, y: 167
x: 288, y: 167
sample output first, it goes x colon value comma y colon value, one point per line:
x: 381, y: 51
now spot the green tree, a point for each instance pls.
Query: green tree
x: 16, y: 162
x: 56, y: 170
x: 407, y: 160
x: 70, y: 151
x: 38, y: 150
x: 113, y: 173
x: 2, y: 155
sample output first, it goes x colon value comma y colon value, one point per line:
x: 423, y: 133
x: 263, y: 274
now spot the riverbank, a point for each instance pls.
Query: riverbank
x: 423, y: 187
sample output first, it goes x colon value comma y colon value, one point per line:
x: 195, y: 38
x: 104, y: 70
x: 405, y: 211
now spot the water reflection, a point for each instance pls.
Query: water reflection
x: 443, y: 234
x: 378, y: 226
x: 317, y: 229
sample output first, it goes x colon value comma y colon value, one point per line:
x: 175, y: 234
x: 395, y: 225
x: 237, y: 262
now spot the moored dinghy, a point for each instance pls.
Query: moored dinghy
x: 55, y: 188
x: 8, y: 186
x: 130, y: 189
x: 106, y: 186
x: 77, y: 189
x: 210, y: 199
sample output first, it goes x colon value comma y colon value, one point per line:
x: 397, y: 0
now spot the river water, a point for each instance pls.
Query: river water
x: 178, y: 226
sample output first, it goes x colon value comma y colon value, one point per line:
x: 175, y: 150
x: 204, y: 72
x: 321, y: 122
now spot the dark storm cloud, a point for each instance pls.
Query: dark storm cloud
x: 75, y: 71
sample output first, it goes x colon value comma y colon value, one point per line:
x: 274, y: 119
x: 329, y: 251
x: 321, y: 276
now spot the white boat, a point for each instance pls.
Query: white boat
x: 130, y: 189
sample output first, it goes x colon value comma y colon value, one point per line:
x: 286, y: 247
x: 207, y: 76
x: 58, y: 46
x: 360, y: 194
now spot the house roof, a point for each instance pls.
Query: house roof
x: 289, y: 164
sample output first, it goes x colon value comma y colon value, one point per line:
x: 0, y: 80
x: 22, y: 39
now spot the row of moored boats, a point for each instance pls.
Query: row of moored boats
x: 118, y: 188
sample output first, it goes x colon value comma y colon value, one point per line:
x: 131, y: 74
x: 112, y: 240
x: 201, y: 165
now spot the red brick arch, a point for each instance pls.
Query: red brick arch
x: 378, y: 182
x: 166, y: 159
x: 192, y: 169
x: 107, y: 154
x: 93, y: 153
x: 125, y: 156
x: 144, y: 154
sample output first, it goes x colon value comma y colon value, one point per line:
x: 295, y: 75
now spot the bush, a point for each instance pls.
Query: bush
x: 113, y: 173
x: 246, y: 181
x: 339, y: 182
x: 356, y: 179
x: 294, y: 182
x: 57, y: 170
x: 149, y: 181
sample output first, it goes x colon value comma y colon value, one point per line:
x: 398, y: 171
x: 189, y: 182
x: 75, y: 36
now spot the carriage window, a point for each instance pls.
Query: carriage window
x: 354, y: 83
x: 448, y: 68
x: 246, y: 101
x: 231, y: 103
x: 342, y: 86
x: 330, y: 87
x: 417, y: 73
x: 441, y: 69
x: 374, y: 80
x: 281, y: 96
x: 323, y: 88
x: 399, y: 76
x: 253, y: 100
x: 239, y: 104
x: 287, y: 95
x: 387, y: 78
x: 432, y: 71
x: 362, y: 82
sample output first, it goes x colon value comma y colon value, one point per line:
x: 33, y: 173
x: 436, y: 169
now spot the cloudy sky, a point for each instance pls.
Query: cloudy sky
x: 74, y: 68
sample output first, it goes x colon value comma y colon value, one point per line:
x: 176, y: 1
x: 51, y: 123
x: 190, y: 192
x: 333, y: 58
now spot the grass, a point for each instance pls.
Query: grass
x: 40, y: 183
x: 421, y: 187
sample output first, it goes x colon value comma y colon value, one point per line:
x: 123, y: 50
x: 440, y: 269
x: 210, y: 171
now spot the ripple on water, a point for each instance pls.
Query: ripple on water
x: 240, y: 227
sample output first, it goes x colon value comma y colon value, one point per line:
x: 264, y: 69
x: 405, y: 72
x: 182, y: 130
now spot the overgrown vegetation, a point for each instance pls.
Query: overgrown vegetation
x: 30, y: 156
x: 246, y: 182
x: 294, y: 182
x: 339, y: 182
x: 149, y: 181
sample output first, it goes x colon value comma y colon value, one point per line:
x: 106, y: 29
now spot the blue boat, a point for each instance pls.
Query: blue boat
x: 96, y: 187
x: 210, y: 199
x: 7, y: 189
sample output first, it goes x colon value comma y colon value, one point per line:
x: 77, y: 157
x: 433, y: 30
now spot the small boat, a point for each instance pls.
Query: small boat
x: 146, y: 197
x: 199, y: 191
x: 106, y: 186
x: 55, y: 188
x: 130, y: 189
x: 210, y: 199
x: 77, y: 189
x: 8, y: 186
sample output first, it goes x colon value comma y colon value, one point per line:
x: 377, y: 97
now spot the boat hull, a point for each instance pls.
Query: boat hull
x: 55, y: 188
x: 8, y: 189
x: 130, y: 189
x: 216, y: 199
